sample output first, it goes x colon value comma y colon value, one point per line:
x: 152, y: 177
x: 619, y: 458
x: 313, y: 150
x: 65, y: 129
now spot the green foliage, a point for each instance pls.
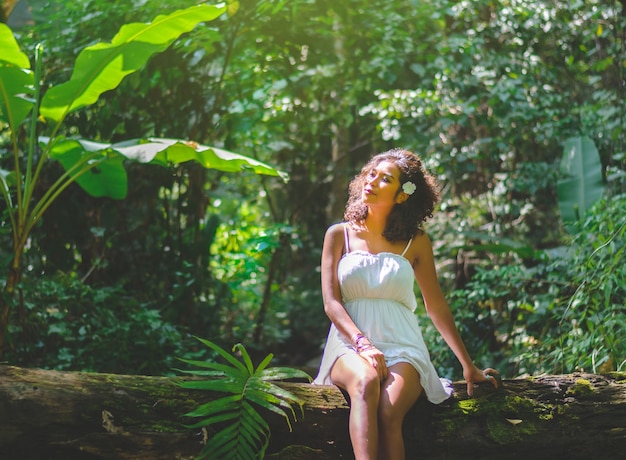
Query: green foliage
x: 97, y: 167
x: 559, y: 313
x: 593, y: 320
x: 243, y: 433
x: 485, y: 91
x: 95, y: 330
x: 581, y: 183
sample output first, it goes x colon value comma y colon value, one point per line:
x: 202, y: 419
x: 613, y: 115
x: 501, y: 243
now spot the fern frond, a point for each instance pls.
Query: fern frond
x: 273, y: 406
x: 214, y: 419
x: 253, y: 414
x: 224, y: 354
x: 266, y: 361
x: 220, y: 446
x: 225, y: 368
x: 273, y: 389
x: 234, y: 442
x: 284, y: 373
x: 246, y: 357
x: 243, y: 434
x: 215, y: 407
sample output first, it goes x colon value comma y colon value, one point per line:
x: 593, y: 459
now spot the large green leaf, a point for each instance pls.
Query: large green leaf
x: 102, y: 67
x: 580, y: 184
x: 16, y: 80
x: 108, y: 177
x: 166, y: 152
x: 101, y: 174
x: 218, y: 406
x: 11, y: 53
x: 175, y: 151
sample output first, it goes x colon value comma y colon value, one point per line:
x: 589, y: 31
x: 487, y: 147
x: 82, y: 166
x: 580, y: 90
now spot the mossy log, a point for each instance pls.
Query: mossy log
x: 62, y: 415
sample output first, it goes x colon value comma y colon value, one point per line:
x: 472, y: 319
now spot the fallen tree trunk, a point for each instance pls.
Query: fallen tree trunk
x: 59, y: 415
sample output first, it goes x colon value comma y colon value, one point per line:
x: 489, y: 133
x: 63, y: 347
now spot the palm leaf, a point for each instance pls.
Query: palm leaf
x: 229, y: 443
x: 246, y: 357
x: 267, y: 388
x: 250, y: 432
x: 224, y: 354
x: 284, y: 373
x: 226, y: 369
x: 216, y: 406
x: 246, y: 434
x: 221, y: 445
x: 256, y: 426
x: 252, y: 414
x: 214, y: 419
x: 273, y: 405
x: 266, y: 361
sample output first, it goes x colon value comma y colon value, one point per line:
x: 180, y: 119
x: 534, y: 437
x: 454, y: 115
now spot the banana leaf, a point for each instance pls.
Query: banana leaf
x: 581, y: 183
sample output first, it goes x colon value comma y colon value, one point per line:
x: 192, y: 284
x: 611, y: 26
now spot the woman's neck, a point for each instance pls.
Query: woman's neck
x: 375, y: 223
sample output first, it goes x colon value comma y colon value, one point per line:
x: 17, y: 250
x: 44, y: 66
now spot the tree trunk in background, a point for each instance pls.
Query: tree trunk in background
x: 5, y: 11
x: 338, y: 165
x: 59, y: 415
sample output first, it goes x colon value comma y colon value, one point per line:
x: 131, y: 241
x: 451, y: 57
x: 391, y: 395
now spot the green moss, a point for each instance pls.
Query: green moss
x: 450, y: 425
x: 517, y: 419
x: 582, y: 387
x: 620, y: 377
x: 508, y: 420
x: 506, y: 431
x: 469, y: 406
x: 519, y: 404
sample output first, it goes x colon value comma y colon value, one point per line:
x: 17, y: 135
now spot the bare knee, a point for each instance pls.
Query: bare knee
x: 390, y: 416
x: 364, y: 385
x: 355, y: 375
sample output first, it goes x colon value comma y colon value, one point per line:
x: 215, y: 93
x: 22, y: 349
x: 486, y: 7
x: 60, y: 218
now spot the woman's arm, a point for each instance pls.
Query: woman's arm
x: 439, y: 311
x: 331, y: 293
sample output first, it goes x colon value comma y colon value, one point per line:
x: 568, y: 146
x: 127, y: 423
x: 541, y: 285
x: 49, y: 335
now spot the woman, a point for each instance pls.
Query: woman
x: 375, y: 350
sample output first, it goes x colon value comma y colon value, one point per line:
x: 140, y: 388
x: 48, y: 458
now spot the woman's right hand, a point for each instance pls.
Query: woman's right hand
x: 376, y: 358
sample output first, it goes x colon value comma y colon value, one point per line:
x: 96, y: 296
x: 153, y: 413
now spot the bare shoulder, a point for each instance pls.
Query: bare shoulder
x: 421, y: 248
x: 422, y: 238
x: 334, y: 237
x: 335, y: 229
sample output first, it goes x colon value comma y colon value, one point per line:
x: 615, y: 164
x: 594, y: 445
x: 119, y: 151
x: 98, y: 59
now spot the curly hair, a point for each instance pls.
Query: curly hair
x: 405, y: 219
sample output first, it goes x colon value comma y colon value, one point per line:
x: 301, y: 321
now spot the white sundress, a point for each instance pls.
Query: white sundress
x: 377, y: 293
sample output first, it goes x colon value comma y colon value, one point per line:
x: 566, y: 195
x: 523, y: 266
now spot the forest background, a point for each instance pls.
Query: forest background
x: 492, y: 94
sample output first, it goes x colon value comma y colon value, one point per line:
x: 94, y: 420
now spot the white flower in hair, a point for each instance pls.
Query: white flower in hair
x: 408, y: 188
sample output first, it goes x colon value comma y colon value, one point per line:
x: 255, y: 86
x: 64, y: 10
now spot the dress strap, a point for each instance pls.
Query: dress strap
x: 407, y: 247
x: 345, y: 235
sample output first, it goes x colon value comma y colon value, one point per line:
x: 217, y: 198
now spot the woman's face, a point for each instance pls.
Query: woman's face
x: 381, y: 185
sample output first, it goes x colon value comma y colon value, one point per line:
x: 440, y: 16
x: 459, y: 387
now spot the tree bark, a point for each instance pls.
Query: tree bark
x: 59, y: 415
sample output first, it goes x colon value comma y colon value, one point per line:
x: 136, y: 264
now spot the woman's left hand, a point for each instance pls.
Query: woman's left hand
x: 474, y: 375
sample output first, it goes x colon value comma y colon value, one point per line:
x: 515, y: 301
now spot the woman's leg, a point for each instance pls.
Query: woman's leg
x: 398, y: 394
x: 355, y: 375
